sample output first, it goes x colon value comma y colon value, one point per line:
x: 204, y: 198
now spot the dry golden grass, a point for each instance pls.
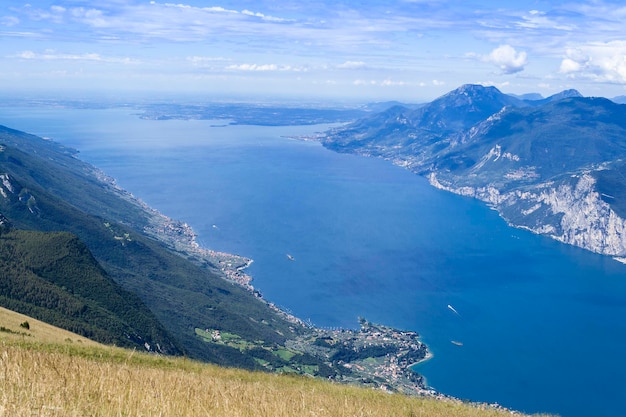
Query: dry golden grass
x: 39, y: 378
x: 40, y: 331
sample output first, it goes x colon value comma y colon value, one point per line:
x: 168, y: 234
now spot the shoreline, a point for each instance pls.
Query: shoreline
x: 182, y: 239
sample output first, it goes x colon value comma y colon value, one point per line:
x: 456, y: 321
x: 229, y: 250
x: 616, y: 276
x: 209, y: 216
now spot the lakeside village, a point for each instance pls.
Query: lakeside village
x: 377, y: 356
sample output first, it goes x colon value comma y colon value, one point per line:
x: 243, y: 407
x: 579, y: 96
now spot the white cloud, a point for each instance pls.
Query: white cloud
x: 253, y: 67
x: 9, y: 21
x: 364, y: 82
x: 569, y: 66
x: 205, y: 61
x: 507, y: 59
x: 384, y: 83
x: 26, y: 55
x: 265, y: 67
x: 54, y: 56
x: 539, y: 20
x: 219, y: 9
x: 352, y: 65
x: 391, y: 83
x: 263, y: 16
x: 173, y: 22
x: 377, y: 44
x: 599, y: 61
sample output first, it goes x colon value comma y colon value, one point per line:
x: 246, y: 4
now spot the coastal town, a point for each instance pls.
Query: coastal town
x: 375, y: 355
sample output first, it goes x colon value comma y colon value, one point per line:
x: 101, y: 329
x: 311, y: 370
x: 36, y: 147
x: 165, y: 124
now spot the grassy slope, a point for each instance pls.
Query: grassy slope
x: 38, y: 331
x: 48, y: 373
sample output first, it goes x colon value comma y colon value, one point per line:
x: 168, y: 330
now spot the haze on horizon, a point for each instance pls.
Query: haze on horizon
x: 410, y: 50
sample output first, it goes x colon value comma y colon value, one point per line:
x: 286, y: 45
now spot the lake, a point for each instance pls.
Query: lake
x: 540, y: 326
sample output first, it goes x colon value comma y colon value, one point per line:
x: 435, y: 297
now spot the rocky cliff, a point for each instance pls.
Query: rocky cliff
x: 553, y: 166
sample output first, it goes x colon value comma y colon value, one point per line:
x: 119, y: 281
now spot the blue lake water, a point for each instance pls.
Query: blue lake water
x: 543, y: 325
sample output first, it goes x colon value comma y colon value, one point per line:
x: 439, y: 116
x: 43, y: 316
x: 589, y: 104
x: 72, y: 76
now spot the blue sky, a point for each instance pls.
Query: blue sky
x: 409, y: 50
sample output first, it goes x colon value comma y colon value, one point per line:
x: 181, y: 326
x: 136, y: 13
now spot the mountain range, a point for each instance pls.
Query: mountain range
x: 81, y: 253
x: 145, y: 258
x: 553, y: 165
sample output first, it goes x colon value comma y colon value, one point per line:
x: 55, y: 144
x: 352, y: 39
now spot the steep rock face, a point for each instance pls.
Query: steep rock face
x: 571, y: 212
x: 11, y: 189
x: 553, y: 166
x: 586, y: 220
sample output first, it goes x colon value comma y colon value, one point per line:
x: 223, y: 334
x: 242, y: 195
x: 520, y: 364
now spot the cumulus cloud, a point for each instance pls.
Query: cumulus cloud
x: 507, y: 59
x: 600, y: 61
x: 570, y: 66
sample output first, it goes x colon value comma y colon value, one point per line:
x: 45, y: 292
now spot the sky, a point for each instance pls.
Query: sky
x: 360, y: 50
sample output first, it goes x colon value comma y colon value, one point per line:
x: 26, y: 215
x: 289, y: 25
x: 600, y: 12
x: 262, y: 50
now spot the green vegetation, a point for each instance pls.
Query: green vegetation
x: 48, y: 189
x: 77, y: 251
x: 54, y: 278
x: 535, y: 162
x: 7, y: 330
x: 49, y: 374
x: 612, y: 186
x: 68, y: 283
x: 209, y: 317
x: 452, y: 136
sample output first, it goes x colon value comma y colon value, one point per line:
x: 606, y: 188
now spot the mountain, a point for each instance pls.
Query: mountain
x: 80, y: 252
x: 528, y: 96
x: 555, y: 167
x: 461, y: 108
x: 52, y: 276
x: 45, y: 188
x: 555, y: 97
x: 381, y: 106
x: 420, y: 131
x: 619, y: 99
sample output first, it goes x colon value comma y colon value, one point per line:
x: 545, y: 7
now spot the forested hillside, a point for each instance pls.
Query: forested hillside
x: 53, y: 277
x: 44, y: 187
